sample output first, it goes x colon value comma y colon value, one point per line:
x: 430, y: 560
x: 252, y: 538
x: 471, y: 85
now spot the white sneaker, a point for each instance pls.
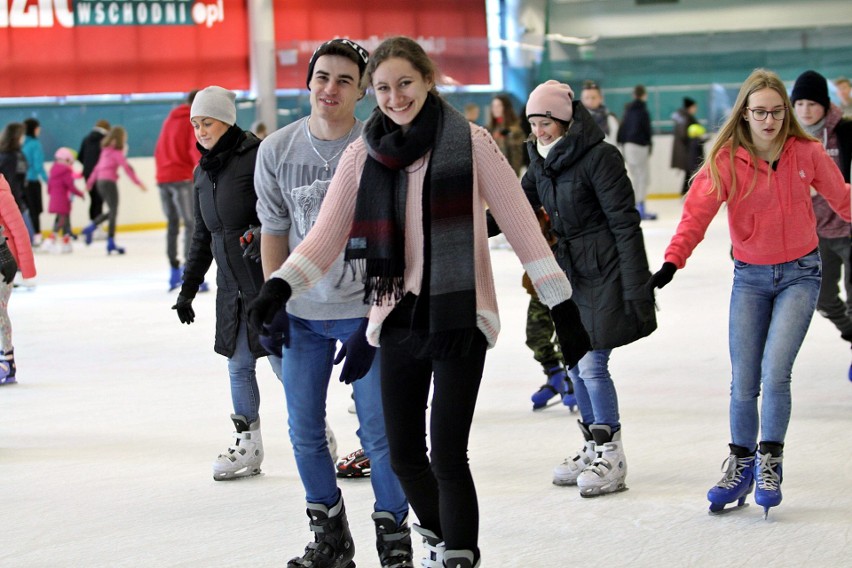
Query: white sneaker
x: 244, y: 456
x: 609, y: 469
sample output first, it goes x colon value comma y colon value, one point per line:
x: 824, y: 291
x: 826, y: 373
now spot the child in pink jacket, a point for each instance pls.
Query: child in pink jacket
x: 104, y: 180
x: 17, y: 242
x: 60, y: 188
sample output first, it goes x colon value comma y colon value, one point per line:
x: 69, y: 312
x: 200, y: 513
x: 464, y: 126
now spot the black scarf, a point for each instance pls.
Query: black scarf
x: 378, y: 231
x: 214, y: 159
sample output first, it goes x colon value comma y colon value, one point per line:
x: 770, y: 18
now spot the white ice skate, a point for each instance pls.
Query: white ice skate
x: 609, y: 469
x: 244, y: 456
x: 567, y: 472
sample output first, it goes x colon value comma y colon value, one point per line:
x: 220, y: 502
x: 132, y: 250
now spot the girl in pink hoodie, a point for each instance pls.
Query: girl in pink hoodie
x: 762, y: 167
x: 14, y: 232
x: 104, y: 180
x: 60, y: 188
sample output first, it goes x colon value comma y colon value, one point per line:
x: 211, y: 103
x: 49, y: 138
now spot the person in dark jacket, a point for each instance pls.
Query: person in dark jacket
x: 90, y: 152
x: 225, y: 203
x: 13, y: 165
x: 581, y: 182
x: 634, y: 136
x: 683, y: 118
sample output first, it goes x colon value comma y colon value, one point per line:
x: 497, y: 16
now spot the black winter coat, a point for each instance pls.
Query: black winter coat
x: 224, y: 209
x: 635, y: 124
x: 584, y: 188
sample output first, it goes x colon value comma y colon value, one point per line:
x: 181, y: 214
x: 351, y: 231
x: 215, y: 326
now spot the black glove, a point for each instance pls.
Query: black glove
x: 275, y: 336
x: 184, y: 309
x: 572, y: 336
x: 8, y: 266
x: 662, y: 277
x: 272, y: 298
x: 250, y: 242
x: 358, y: 353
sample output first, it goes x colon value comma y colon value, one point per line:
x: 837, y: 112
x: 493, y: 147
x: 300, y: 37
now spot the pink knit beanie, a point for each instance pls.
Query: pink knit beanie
x: 551, y: 99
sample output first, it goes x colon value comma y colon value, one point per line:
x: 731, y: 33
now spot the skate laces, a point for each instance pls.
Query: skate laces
x: 734, y: 469
x: 768, y: 477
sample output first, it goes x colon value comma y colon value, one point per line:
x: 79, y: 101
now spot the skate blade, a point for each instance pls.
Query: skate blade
x: 560, y: 483
x: 725, y: 510
x: 230, y: 476
x: 548, y: 404
x: 592, y: 493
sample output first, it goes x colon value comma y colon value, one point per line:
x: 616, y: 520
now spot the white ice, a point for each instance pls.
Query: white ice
x: 107, y: 441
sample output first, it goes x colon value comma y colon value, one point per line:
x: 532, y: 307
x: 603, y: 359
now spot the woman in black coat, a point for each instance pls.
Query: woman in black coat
x: 581, y: 182
x: 225, y: 209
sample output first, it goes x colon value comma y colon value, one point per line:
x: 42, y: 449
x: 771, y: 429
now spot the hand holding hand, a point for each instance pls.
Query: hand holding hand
x: 358, y: 353
x: 275, y: 336
x: 250, y: 243
x: 184, y: 310
x: 572, y: 336
x: 662, y: 277
x: 272, y: 298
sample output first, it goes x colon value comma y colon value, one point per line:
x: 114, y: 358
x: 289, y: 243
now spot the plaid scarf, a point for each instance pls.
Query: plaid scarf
x: 378, y: 230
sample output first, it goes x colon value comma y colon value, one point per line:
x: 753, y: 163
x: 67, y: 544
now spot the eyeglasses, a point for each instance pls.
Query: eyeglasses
x: 760, y: 114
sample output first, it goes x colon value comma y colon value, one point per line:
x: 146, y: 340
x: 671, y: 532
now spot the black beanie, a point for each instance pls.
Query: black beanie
x: 811, y: 86
x: 343, y: 47
x: 688, y: 102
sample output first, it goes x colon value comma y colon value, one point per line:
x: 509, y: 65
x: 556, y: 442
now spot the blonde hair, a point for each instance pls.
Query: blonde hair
x: 736, y: 132
x: 116, y: 138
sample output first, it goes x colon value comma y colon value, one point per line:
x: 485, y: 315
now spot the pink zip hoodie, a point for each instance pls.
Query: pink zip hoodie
x: 107, y: 167
x: 775, y: 223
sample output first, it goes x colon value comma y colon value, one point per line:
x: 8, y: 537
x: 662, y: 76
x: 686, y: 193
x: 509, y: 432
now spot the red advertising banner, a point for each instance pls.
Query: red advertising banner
x: 453, y: 32
x: 64, y: 48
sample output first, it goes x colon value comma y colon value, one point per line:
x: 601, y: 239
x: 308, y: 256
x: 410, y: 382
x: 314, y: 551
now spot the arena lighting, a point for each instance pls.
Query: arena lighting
x: 572, y: 40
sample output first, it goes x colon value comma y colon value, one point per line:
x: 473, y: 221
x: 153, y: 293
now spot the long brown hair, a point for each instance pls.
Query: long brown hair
x: 10, y: 138
x: 510, y: 117
x: 116, y: 138
x: 735, y: 133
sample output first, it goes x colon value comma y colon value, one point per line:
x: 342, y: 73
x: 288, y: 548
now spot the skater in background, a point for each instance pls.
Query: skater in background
x: 36, y: 174
x: 635, y: 138
x: 761, y: 166
x: 294, y: 170
x: 15, y: 252
x: 175, y: 158
x: 88, y: 155
x: 104, y: 180
x: 224, y: 208
x: 505, y: 127
x: 592, y: 98
x: 428, y: 278
x: 581, y: 182
x: 60, y: 189
x: 683, y: 118
x: 13, y: 166
x: 824, y: 120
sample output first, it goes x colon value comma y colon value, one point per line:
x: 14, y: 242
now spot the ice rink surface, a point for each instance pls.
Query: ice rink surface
x: 107, y: 441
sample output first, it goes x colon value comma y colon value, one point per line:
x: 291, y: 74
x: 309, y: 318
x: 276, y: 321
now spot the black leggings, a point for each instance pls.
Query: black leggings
x: 441, y: 492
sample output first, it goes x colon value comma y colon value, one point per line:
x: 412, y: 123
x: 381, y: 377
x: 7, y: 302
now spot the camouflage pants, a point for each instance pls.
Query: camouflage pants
x: 541, y: 335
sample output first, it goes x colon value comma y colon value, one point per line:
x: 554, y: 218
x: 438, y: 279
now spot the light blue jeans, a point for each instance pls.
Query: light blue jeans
x: 595, y: 390
x: 241, y: 369
x: 306, y: 369
x: 771, y: 310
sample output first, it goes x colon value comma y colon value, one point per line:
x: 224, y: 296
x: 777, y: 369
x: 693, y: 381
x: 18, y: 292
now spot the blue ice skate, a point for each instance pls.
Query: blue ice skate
x: 768, y: 474
x: 736, y: 484
x: 556, y: 385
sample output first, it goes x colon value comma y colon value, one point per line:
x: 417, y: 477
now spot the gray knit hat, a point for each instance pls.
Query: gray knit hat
x: 217, y: 103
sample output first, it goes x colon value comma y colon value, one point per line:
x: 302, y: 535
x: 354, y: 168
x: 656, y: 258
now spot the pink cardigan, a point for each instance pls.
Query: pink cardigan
x: 15, y: 231
x: 495, y: 186
x: 108, y: 164
x: 775, y: 223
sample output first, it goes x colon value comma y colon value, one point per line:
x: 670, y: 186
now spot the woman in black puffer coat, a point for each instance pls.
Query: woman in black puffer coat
x: 581, y: 182
x: 224, y: 210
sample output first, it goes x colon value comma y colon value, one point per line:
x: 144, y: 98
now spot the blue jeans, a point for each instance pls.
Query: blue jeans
x: 595, y: 390
x: 771, y: 310
x: 241, y: 368
x: 306, y: 370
